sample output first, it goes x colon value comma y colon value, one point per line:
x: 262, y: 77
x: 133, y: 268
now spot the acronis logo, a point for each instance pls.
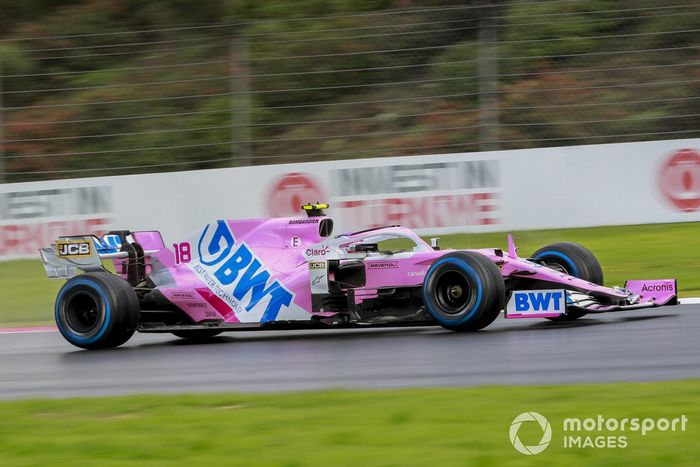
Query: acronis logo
x: 236, y: 274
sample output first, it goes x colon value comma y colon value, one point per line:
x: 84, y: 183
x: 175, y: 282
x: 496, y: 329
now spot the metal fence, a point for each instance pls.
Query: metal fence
x: 398, y: 82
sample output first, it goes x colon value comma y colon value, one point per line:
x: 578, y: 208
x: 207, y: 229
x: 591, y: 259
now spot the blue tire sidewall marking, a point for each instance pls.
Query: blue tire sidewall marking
x: 574, y: 269
x: 472, y: 273
x: 105, y: 325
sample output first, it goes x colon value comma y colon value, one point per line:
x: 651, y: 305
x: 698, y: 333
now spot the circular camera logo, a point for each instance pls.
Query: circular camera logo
x: 544, y: 426
x: 288, y: 192
x: 680, y: 180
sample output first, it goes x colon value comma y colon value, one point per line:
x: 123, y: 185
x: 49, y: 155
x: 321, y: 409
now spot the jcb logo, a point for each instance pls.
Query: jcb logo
x: 73, y: 249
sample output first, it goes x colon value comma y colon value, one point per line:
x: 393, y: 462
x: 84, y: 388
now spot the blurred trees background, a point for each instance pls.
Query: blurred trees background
x: 97, y: 87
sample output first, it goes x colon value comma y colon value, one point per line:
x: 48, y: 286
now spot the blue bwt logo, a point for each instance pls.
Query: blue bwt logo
x: 108, y: 244
x: 240, y: 272
x: 538, y: 301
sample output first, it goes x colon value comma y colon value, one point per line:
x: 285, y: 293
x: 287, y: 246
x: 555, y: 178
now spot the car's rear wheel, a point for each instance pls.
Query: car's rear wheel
x: 97, y: 310
x: 197, y: 334
x: 575, y: 260
x: 464, y: 291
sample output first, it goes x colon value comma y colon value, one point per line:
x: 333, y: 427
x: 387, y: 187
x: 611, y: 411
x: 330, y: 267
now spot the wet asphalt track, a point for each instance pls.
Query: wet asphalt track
x: 643, y: 345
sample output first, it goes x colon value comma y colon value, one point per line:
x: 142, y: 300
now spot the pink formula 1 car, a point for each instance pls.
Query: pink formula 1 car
x: 292, y: 272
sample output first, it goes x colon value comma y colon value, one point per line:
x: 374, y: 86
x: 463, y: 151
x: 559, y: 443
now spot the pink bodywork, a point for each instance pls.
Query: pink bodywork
x: 660, y: 292
x: 272, y: 242
x: 286, y: 248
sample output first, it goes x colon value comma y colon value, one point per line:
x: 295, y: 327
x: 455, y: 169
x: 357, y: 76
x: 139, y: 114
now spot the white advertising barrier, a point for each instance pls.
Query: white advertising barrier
x: 579, y: 186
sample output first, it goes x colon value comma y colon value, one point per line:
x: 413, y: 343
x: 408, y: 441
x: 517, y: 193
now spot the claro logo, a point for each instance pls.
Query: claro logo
x: 236, y: 275
x: 323, y: 251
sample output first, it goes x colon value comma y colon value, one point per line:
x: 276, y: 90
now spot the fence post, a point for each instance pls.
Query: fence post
x: 241, y: 153
x: 2, y: 132
x: 488, y: 85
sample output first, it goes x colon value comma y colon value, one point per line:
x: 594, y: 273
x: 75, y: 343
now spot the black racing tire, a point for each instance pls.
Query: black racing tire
x: 575, y: 260
x: 197, y: 334
x: 464, y: 291
x: 97, y: 310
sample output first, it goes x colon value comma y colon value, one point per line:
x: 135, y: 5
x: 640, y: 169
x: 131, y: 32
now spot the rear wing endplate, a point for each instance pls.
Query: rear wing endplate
x: 68, y: 254
x: 63, y: 259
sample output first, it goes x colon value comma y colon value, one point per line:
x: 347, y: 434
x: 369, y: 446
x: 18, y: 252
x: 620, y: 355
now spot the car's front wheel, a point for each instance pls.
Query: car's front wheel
x: 464, y: 291
x: 575, y: 260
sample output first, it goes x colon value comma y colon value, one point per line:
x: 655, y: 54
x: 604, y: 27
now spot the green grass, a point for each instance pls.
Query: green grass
x: 400, y: 427
x: 26, y: 295
x: 657, y: 251
x: 626, y: 252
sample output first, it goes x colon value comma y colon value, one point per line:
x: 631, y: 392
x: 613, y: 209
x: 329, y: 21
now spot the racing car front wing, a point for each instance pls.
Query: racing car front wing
x: 554, y: 303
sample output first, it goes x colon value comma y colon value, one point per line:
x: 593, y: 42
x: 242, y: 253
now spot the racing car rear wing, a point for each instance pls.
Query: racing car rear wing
x: 86, y: 253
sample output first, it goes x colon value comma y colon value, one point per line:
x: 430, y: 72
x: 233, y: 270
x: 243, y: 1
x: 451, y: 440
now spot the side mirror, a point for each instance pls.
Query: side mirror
x: 365, y: 247
x: 435, y: 243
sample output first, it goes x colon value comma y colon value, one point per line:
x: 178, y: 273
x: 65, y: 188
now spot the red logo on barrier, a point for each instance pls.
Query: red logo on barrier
x: 680, y: 180
x: 289, y: 192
